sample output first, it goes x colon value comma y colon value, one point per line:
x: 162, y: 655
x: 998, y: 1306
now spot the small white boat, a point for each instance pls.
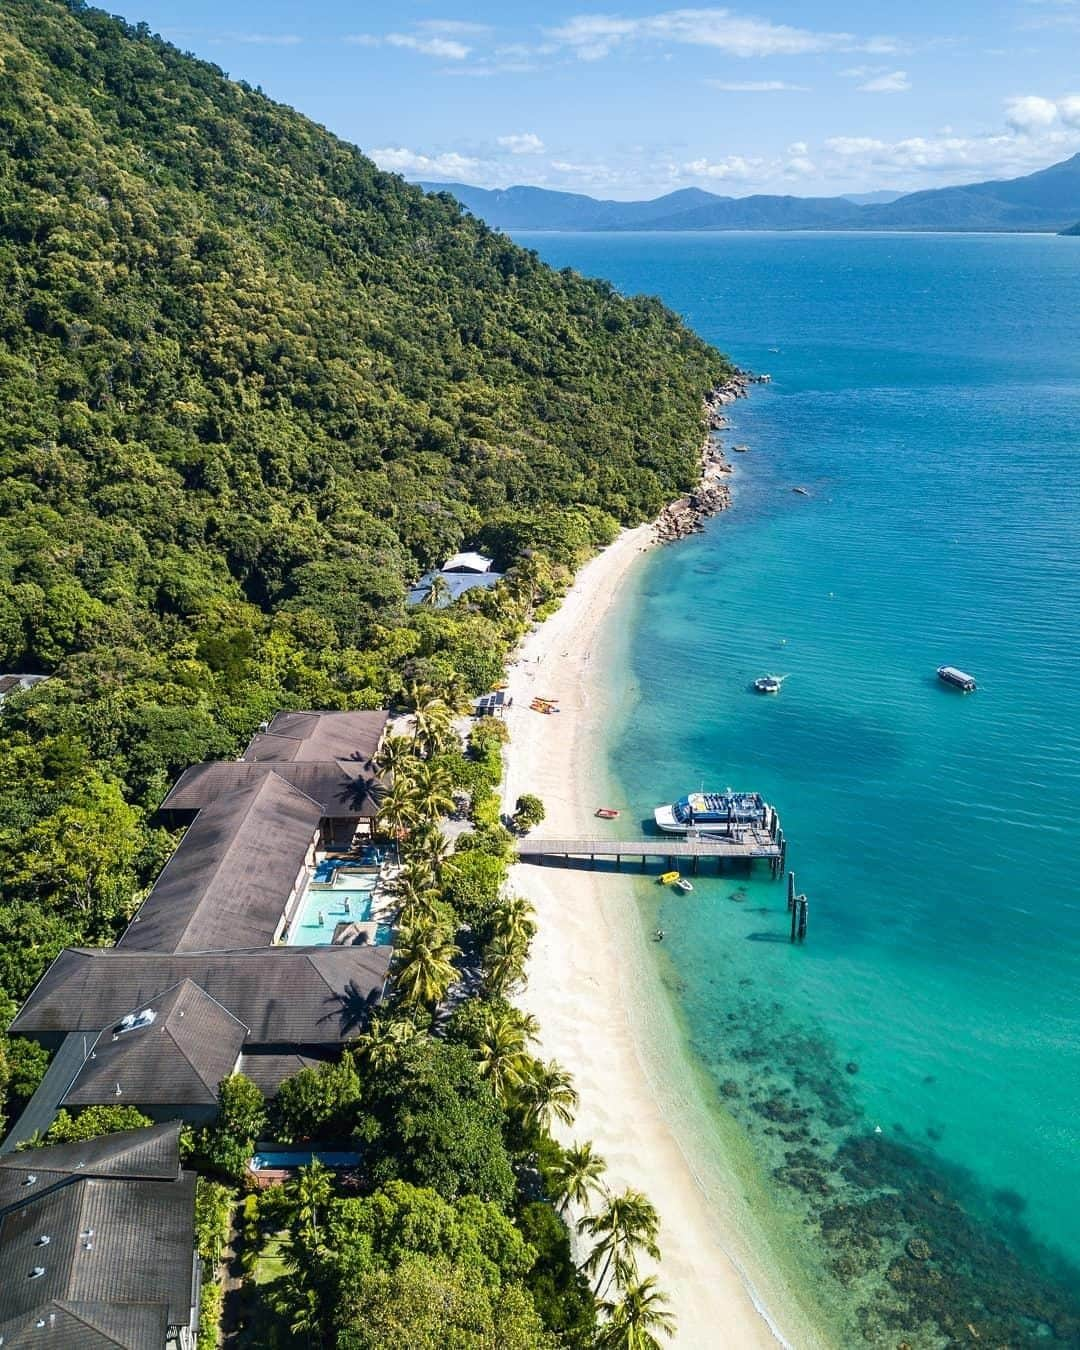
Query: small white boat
x: 769, y: 684
x: 959, y: 679
x: 684, y: 885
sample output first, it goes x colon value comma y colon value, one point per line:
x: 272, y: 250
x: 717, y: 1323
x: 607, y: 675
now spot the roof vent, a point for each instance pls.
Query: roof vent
x: 119, y: 1091
x: 37, y: 1272
x: 87, y: 1233
x: 43, y: 1240
x: 30, y: 1179
x: 88, y: 1246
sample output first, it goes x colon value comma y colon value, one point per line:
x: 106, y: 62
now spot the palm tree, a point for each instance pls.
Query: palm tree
x: 503, y: 1059
x: 397, y: 810
x: 433, y: 794
x: 430, y: 847
x: 416, y: 906
x: 577, y: 1176
x: 635, y: 1318
x: 311, y: 1193
x: 383, y: 1042
x: 437, y: 591
x: 424, y: 964
x: 433, y: 728
x: 395, y: 756
x: 547, y: 1095
x: 504, y: 964
x: 515, y: 920
x: 627, y: 1224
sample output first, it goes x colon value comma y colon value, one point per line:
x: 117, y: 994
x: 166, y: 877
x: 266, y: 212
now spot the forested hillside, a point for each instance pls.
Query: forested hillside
x: 252, y: 387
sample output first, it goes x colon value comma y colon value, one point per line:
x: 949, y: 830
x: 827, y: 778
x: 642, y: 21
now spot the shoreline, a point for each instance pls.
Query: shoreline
x: 604, y: 1015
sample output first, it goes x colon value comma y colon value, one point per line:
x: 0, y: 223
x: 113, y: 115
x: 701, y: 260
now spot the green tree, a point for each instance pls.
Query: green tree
x: 626, y: 1225
x: 577, y: 1177
x: 546, y: 1095
x: 92, y: 1121
x: 528, y: 813
x: 424, y: 964
x: 638, y: 1319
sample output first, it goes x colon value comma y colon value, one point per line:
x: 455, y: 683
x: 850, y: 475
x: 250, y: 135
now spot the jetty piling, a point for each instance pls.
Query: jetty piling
x: 794, y: 920
x: 804, y: 907
x: 790, y: 891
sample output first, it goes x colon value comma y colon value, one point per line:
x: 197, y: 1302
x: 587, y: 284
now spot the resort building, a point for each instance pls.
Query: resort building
x: 459, y: 574
x: 161, y: 1031
x: 97, y: 1245
x: 328, y: 756
x: 260, y: 949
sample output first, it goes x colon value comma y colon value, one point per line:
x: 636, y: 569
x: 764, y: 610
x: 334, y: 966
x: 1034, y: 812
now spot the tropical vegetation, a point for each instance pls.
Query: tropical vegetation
x: 253, y: 388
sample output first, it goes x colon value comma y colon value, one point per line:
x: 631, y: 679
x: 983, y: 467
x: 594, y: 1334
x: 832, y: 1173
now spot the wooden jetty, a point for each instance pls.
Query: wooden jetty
x: 746, y: 844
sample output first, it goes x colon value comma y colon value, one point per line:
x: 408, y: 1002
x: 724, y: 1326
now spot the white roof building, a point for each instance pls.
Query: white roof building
x: 467, y: 562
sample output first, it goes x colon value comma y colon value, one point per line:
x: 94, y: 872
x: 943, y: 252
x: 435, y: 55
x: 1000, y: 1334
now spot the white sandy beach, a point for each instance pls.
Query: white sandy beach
x: 590, y: 984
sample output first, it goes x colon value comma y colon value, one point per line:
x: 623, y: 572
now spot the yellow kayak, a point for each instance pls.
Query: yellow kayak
x: 666, y: 878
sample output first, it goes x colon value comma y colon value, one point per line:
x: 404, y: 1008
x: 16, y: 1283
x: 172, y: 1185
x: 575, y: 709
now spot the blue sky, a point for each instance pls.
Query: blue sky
x: 637, y: 99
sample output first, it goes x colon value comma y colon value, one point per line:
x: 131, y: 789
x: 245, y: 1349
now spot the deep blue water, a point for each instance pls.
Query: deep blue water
x: 926, y: 391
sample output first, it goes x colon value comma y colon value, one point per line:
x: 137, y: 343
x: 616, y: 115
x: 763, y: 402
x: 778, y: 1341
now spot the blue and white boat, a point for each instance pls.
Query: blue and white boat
x: 711, y: 812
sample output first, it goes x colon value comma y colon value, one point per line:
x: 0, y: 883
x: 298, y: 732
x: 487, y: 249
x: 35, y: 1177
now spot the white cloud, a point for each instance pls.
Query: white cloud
x: 1032, y: 114
x: 593, y: 36
x: 252, y: 39
x: 756, y: 86
x: 798, y: 148
x: 892, y: 82
x: 800, y: 166
x: 457, y: 27
x: 447, y: 48
x: 522, y: 143
x: 397, y: 159
x: 731, y: 166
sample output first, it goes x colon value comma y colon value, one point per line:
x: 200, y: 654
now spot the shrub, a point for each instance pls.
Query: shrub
x: 528, y: 813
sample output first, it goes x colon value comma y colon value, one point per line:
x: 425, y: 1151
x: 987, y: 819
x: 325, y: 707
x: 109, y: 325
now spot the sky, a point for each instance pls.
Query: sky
x: 633, y: 100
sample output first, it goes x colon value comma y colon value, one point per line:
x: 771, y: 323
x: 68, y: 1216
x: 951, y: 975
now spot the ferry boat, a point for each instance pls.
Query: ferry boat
x: 711, y: 812
x: 957, y: 678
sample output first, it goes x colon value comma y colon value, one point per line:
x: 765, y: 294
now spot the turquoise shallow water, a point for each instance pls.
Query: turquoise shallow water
x: 927, y: 394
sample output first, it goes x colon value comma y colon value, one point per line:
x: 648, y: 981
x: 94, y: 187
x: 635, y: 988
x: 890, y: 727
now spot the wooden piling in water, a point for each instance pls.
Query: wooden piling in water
x: 804, y: 906
x: 790, y: 891
x: 794, y: 921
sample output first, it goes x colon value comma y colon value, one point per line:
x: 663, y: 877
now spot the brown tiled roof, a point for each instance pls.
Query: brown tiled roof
x: 119, y: 1217
x: 66, y: 1325
x: 269, y: 1071
x: 287, y: 996
x: 177, y: 1059
x: 319, y: 736
x: 228, y: 881
x: 341, y: 787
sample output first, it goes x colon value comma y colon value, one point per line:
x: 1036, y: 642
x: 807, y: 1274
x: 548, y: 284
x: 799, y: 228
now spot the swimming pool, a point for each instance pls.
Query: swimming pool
x: 323, y: 909
x: 286, y: 1158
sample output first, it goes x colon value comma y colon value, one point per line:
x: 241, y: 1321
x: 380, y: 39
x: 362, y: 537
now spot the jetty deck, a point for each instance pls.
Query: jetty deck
x: 747, y: 845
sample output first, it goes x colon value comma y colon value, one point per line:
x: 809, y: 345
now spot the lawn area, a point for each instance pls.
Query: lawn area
x: 271, y: 1263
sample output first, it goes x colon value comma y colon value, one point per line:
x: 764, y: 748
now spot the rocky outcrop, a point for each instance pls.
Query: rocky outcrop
x: 712, y: 494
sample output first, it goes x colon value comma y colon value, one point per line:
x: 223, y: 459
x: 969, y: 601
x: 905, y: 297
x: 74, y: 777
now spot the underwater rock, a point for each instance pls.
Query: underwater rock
x: 918, y: 1250
x: 729, y: 1088
x: 851, y: 1066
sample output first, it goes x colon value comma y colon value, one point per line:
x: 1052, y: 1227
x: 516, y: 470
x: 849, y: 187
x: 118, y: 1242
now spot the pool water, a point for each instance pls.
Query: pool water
x: 302, y: 1158
x: 322, y: 910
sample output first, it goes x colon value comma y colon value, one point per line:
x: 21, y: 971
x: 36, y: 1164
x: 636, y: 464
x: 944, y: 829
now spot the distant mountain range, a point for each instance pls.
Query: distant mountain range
x: 1047, y: 200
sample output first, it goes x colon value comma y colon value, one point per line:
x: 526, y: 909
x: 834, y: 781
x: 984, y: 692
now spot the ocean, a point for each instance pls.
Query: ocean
x: 908, y: 1079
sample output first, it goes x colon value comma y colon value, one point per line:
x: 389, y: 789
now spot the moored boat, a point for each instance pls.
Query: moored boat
x: 668, y: 878
x: 768, y: 684
x: 607, y: 813
x: 711, y: 812
x: 959, y: 679
x: 684, y: 885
